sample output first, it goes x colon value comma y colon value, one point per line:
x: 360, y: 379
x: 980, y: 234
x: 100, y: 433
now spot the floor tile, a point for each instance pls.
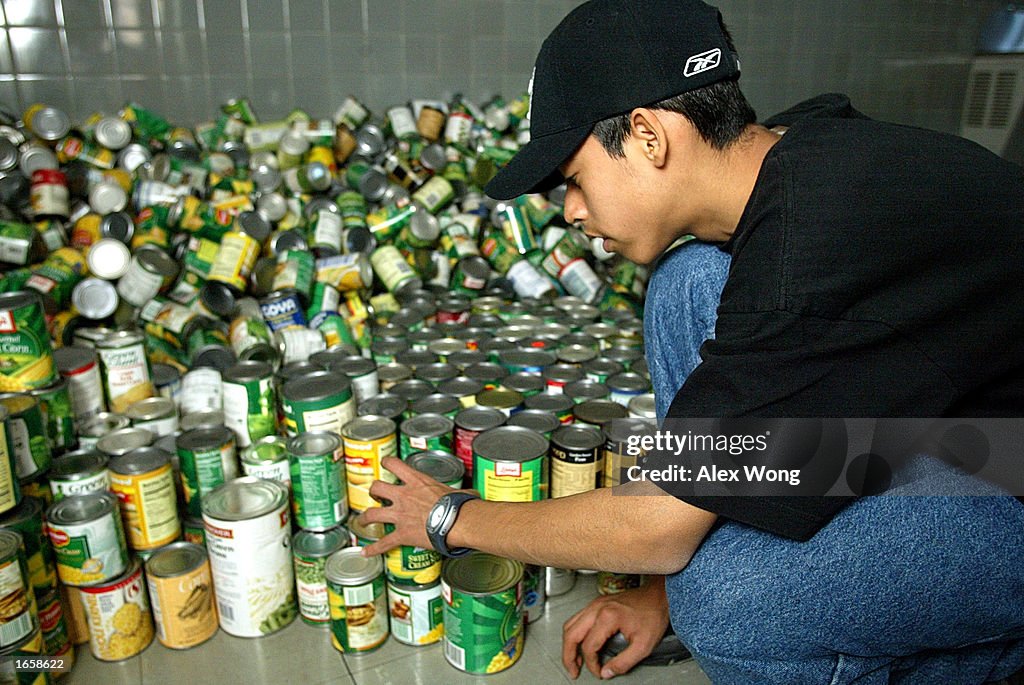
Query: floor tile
x: 89, y: 670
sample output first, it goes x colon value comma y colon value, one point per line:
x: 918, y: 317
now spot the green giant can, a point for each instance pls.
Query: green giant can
x: 483, y: 617
x: 319, y: 495
x: 250, y: 401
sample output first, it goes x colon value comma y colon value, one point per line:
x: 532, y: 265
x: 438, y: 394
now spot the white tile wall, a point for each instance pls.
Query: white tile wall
x: 903, y: 60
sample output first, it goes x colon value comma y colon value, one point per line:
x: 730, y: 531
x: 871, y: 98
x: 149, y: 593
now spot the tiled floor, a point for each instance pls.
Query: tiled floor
x: 303, y: 655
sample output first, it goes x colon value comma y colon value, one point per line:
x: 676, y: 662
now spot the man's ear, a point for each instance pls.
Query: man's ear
x: 648, y: 134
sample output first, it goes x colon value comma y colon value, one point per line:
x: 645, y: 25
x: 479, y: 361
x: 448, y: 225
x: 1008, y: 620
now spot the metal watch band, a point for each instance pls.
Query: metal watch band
x: 447, y: 508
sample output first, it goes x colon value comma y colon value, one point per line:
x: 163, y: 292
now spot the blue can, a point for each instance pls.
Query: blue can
x: 283, y: 309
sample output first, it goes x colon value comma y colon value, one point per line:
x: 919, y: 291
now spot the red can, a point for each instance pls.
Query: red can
x: 49, y: 193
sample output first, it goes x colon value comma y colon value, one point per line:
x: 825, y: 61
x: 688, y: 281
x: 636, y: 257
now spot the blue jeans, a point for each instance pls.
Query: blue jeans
x: 903, y: 588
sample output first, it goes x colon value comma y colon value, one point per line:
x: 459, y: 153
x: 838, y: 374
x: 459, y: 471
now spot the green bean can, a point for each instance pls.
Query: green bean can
x: 319, y: 496
x: 208, y: 460
x: 359, y: 609
x: 483, y: 617
x: 310, y: 550
x: 60, y: 423
x: 250, y: 401
x: 425, y: 432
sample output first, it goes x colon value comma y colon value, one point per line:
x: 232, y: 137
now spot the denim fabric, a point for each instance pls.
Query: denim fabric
x: 681, y: 308
x: 899, y: 588
x: 904, y: 588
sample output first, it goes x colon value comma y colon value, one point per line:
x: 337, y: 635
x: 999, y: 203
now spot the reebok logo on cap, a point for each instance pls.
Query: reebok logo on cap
x: 705, y: 61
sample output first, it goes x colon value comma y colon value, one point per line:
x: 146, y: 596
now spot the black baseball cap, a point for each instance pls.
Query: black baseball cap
x: 606, y: 58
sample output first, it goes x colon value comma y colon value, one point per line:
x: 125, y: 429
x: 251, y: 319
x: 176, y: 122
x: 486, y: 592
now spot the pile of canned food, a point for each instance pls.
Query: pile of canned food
x: 211, y: 336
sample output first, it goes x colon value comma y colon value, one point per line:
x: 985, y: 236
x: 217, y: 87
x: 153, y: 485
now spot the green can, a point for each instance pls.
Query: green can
x: 359, y: 608
x: 20, y: 243
x: 483, y: 617
x: 55, y: 401
x: 510, y: 464
x: 26, y: 434
x: 318, y: 401
x: 319, y: 493
x: 250, y: 401
x: 208, y: 460
x: 353, y: 209
x: 310, y: 550
x: 88, y: 539
x: 294, y: 271
x: 27, y: 519
x: 24, y: 342
x: 425, y: 432
x: 193, y: 530
x: 444, y: 467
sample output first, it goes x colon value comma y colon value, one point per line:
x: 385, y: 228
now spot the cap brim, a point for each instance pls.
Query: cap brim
x: 534, y: 169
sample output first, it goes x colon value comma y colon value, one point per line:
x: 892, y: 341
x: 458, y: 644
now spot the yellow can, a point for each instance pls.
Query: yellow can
x: 143, y: 481
x: 235, y: 260
x: 120, y: 622
x: 367, y: 439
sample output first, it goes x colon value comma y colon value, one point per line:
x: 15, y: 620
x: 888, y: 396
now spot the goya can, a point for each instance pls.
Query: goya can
x: 318, y: 401
x: 248, y: 536
x: 78, y: 473
x: 180, y: 586
x: 425, y: 432
x: 250, y: 401
x: 26, y: 435
x: 416, y: 613
x: 316, y: 462
x: 27, y: 519
x: 268, y: 458
x: 25, y: 341
x: 577, y: 459
x: 120, y: 622
x: 17, y: 601
x: 143, y: 481
x: 310, y: 550
x: 124, y: 370
x: 510, y: 464
x: 359, y: 610
x: 367, y: 440
x: 483, y: 614
x: 208, y: 460
x: 88, y: 539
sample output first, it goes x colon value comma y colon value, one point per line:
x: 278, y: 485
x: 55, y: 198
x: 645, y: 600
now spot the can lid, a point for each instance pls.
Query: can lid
x: 620, y: 430
x: 106, y: 197
x: 644, y: 406
x: 412, y: 389
x: 317, y: 385
x: 95, y: 298
x: 204, y: 438
x: 151, y: 408
x: 77, y: 465
x: 348, y: 567
x: 81, y: 508
x: 273, y: 207
x: 175, y: 559
x: 479, y: 418
x: 254, y: 225
x: 427, y: 425
x: 117, y: 224
x: 586, y: 389
x: 460, y: 386
x: 10, y: 543
x: 373, y: 185
x: 291, y: 239
x: 112, y: 133
x: 141, y: 460
x: 245, y: 498
x: 369, y: 427
x: 18, y: 402
x: 599, y: 411
x: 124, y: 440
x: 510, y: 443
x: 503, y: 399
x: 155, y: 260
x: 535, y: 419
x: 433, y: 157
x: 354, y: 366
x: 108, y: 258
x: 119, y: 339
x: 578, y: 437
x: 269, y: 449
x: 385, y: 404
x: 628, y: 382
x: 50, y: 123
x: 481, y: 574
x: 266, y: 178
x: 218, y: 298
x: 164, y: 375
x: 214, y: 356
x: 323, y: 543
x: 8, y: 154
x: 247, y: 370
x: 133, y: 156
x: 103, y: 423
x: 436, y: 403
x: 314, y: 444
x: 441, y: 466
x: 552, y: 402
x: 365, y: 531
x: 424, y: 225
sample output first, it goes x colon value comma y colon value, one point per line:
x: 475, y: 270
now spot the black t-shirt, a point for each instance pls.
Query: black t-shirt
x: 877, y: 271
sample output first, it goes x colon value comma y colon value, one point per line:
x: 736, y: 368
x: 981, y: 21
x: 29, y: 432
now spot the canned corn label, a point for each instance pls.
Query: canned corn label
x: 509, y: 481
x: 15, y: 601
x: 126, y: 375
x: 359, y: 615
x: 362, y: 467
x: 417, y: 614
x: 120, y: 623
x: 412, y: 565
x: 149, y: 506
x: 25, y: 345
x: 90, y: 552
x: 483, y: 634
x: 183, y: 607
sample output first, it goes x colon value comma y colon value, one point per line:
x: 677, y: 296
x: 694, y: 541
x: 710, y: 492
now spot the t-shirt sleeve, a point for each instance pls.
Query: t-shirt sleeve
x: 775, y: 364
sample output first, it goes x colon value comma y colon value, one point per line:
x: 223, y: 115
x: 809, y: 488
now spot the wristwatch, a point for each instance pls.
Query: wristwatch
x: 441, y: 519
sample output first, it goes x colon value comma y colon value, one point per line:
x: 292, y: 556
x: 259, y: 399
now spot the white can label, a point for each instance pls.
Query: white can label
x: 86, y: 392
x: 138, y: 286
x: 201, y: 391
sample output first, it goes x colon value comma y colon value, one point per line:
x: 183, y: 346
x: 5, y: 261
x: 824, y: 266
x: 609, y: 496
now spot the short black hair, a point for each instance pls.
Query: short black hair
x: 719, y: 112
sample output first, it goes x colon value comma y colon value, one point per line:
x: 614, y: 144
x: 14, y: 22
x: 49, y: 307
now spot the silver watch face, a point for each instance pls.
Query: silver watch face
x: 437, y: 516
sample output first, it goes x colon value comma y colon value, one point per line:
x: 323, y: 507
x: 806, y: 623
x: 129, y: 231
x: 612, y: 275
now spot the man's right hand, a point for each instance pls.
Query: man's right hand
x: 641, y: 615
